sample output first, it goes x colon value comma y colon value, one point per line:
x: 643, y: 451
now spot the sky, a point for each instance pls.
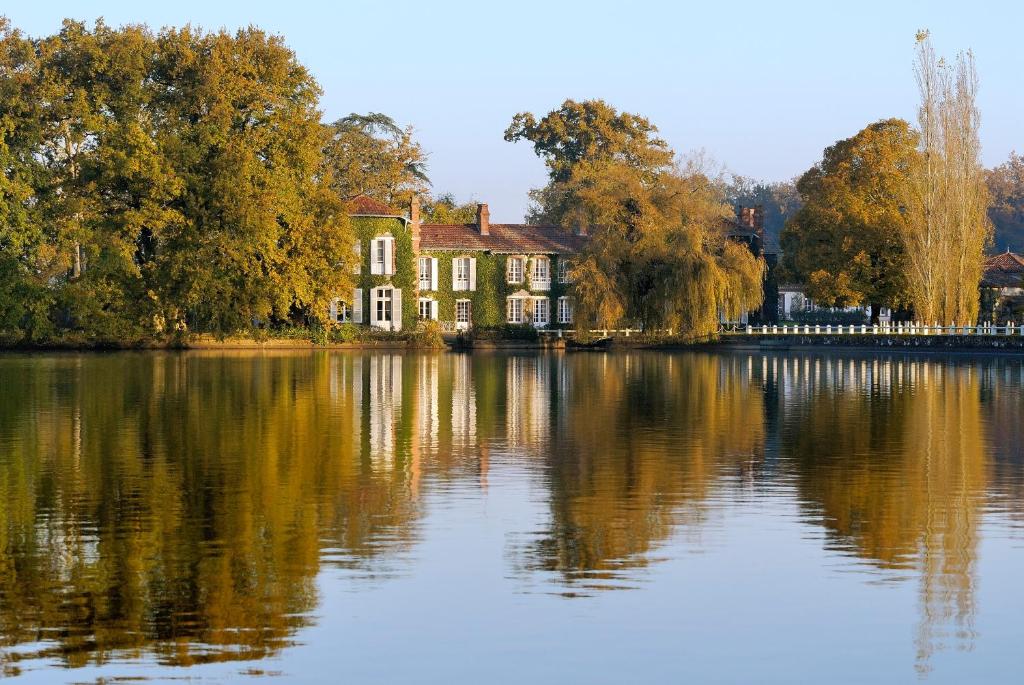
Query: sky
x: 760, y: 88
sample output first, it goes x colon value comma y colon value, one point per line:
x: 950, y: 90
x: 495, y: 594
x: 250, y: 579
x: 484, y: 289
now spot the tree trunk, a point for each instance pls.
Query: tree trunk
x: 876, y: 311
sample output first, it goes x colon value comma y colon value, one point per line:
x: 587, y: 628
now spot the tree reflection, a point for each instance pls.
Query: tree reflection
x: 638, y: 442
x: 892, y: 455
x: 177, y: 505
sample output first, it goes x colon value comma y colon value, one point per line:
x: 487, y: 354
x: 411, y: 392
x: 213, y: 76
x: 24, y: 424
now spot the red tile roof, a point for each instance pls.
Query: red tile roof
x: 1004, y: 270
x: 363, y: 205
x: 503, y: 238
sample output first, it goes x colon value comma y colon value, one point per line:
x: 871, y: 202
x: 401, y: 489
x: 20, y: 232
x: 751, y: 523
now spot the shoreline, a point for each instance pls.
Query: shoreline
x: 928, y: 344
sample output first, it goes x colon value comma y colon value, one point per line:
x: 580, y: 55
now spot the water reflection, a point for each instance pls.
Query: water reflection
x: 179, y: 507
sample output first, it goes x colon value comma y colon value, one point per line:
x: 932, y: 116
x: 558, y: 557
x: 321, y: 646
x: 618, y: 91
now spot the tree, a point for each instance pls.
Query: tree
x: 946, y: 228
x: 444, y: 209
x: 1006, y: 188
x: 264, y: 236
x: 157, y: 180
x: 369, y: 154
x: 843, y: 243
x: 589, y: 131
x: 658, y: 254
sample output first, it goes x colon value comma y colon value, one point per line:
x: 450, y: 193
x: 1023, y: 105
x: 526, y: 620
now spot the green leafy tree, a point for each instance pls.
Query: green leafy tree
x: 844, y: 241
x: 445, y: 209
x: 369, y: 154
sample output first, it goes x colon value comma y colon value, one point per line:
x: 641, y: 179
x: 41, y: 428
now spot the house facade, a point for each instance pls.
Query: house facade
x: 460, y: 275
x: 384, y: 272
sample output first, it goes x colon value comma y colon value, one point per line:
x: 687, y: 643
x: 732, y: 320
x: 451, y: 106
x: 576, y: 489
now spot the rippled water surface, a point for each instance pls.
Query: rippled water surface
x: 601, y: 518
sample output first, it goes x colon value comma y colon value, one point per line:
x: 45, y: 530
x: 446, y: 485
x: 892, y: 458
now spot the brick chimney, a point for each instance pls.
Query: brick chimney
x: 414, y: 223
x: 483, y: 219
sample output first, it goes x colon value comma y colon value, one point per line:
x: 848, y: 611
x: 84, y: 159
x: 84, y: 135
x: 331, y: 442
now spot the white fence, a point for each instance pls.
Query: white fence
x: 899, y: 328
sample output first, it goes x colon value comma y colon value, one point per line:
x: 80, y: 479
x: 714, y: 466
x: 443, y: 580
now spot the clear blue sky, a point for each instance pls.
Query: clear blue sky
x: 762, y: 87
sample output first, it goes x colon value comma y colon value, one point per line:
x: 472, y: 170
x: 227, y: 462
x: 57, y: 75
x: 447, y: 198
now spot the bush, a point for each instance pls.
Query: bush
x: 505, y: 332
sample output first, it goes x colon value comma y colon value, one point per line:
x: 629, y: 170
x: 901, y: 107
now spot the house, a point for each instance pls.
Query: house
x: 460, y: 275
x: 489, y: 274
x: 1002, y: 288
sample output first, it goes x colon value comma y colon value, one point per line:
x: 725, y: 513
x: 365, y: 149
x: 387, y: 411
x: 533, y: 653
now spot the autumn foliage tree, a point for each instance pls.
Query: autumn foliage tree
x: 160, y: 182
x: 946, y: 229
x: 844, y: 243
x: 658, y: 255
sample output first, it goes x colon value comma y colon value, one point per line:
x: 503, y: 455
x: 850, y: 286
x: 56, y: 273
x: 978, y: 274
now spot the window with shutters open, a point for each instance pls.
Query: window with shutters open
x: 460, y: 273
x: 427, y: 309
x: 426, y: 280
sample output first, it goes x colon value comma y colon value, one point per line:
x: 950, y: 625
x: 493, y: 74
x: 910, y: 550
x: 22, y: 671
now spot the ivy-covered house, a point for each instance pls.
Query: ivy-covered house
x: 485, y: 274
x: 461, y: 275
x: 385, y: 272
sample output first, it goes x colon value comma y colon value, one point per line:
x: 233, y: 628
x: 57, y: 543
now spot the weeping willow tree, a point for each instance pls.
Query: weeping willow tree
x: 658, y: 254
x: 947, y: 227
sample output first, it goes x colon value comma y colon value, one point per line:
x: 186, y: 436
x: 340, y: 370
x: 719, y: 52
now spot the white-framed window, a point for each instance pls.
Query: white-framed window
x: 515, y: 270
x: 541, y: 311
x: 463, y: 313
x: 565, y: 310
x: 464, y: 273
x: 340, y: 312
x: 540, y: 279
x: 427, y: 309
x: 385, y: 305
x: 382, y: 256
x: 563, y: 270
x: 514, y: 310
x: 425, y: 273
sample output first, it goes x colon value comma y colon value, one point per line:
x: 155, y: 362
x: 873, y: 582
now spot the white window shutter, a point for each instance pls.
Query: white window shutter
x: 334, y: 309
x: 357, y: 251
x: 472, y: 273
x: 433, y: 308
x: 393, y: 257
x: 357, y: 305
x: 374, y: 264
x: 396, y: 309
x: 433, y: 274
x: 388, y: 256
x: 373, y: 306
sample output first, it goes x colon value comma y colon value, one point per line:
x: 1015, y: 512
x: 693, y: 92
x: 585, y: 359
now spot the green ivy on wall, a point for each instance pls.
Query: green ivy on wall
x: 492, y: 288
x: 404, y: 278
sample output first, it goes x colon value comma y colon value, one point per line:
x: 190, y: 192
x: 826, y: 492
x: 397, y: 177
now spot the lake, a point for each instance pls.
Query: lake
x: 504, y: 518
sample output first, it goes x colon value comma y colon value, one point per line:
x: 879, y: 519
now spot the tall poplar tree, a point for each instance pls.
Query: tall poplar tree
x: 947, y: 227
